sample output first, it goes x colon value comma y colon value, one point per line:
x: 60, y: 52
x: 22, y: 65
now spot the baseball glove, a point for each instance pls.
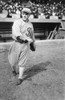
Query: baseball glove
x: 32, y: 47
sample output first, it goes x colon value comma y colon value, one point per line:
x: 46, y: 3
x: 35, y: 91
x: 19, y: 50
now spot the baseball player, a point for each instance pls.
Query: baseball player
x: 23, y: 35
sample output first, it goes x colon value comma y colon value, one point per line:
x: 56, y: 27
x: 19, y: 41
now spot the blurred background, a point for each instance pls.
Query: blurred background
x: 48, y: 17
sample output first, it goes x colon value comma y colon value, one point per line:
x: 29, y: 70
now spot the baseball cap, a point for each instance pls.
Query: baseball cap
x: 27, y: 10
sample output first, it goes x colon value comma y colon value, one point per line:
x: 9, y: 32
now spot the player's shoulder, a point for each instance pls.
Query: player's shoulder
x: 18, y: 21
x: 31, y: 25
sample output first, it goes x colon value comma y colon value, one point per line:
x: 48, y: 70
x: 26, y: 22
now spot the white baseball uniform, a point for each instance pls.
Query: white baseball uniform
x: 18, y: 53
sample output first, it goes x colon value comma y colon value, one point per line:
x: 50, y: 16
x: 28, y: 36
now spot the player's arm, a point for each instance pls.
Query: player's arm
x: 32, y: 44
x: 16, y: 30
x: 16, y: 34
x: 33, y: 36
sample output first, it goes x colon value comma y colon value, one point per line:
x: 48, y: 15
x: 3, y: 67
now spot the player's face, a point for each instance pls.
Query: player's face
x: 25, y: 16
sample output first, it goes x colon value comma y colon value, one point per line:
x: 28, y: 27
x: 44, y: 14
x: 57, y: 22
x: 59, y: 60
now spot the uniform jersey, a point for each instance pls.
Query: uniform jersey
x: 23, y: 29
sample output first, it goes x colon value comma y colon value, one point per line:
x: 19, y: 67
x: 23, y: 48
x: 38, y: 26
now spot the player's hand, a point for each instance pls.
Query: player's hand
x: 26, y: 41
x: 32, y: 46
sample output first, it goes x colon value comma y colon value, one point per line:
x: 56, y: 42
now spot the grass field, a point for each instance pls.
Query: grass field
x: 45, y: 73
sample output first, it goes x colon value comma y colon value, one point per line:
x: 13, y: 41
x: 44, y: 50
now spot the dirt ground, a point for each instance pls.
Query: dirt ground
x: 45, y: 73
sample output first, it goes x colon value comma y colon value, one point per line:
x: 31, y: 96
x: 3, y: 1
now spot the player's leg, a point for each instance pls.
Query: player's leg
x: 22, y: 64
x: 14, y: 70
x: 21, y: 71
x: 20, y: 78
x: 13, y: 55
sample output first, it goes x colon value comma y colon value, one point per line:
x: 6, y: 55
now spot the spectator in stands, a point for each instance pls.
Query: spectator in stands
x: 23, y: 35
x: 60, y: 15
x: 9, y: 13
x: 35, y: 12
x: 53, y: 16
x: 0, y: 8
x: 63, y: 17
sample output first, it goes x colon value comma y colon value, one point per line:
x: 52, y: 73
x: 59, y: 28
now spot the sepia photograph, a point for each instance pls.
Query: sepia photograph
x: 32, y: 49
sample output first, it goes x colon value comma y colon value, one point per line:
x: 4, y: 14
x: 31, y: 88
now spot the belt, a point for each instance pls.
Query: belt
x: 20, y: 41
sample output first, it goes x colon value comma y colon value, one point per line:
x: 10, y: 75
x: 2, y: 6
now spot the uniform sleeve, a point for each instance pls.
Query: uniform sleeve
x: 33, y: 36
x: 16, y: 29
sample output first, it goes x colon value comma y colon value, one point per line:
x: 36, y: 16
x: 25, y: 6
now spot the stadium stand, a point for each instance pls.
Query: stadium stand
x: 45, y: 18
